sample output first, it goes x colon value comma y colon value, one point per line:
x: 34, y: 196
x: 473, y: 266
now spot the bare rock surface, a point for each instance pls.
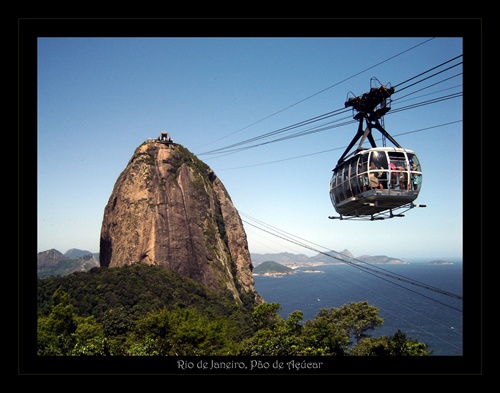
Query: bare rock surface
x: 168, y: 208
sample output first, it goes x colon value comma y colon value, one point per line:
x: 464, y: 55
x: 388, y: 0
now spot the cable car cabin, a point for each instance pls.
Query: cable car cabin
x: 374, y: 181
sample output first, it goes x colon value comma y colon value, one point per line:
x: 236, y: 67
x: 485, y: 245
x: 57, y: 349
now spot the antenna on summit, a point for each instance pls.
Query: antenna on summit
x: 164, y: 138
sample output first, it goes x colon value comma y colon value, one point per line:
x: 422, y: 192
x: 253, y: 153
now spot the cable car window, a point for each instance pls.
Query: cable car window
x: 415, y: 172
x: 362, y: 168
x: 414, y: 162
x: 339, y: 184
x: 416, y: 181
x: 353, y: 177
x: 364, y: 162
x: 378, y: 161
x: 333, y: 194
x: 398, y: 171
x: 347, y: 186
x: 333, y: 186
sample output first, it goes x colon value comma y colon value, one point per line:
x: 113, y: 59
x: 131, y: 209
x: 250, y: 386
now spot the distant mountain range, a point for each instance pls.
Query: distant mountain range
x: 77, y: 253
x: 55, y: 263
x: 327, y: 258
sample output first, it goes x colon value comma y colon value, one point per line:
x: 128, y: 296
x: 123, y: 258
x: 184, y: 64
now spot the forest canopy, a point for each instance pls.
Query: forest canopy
x: 143, y: 310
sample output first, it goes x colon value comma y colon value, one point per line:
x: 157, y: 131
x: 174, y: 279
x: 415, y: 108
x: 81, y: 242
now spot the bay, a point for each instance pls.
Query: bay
x: 418, y: 299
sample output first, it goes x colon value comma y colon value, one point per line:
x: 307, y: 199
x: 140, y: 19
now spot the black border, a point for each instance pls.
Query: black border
x: 474, y: 32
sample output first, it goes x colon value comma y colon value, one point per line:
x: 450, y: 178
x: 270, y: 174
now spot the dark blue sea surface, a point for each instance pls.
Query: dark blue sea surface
x: 409, y: 296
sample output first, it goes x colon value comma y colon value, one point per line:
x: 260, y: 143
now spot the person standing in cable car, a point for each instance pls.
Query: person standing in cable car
x: 374, y: 182
x: 403, y: 179
x: 394, y: 177
x: 416, y: 177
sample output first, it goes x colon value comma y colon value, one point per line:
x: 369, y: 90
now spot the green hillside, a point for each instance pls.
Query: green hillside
x: 142, y: 310
x: 271, y: 267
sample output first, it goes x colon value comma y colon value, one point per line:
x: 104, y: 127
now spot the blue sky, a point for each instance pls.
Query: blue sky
x: 100, y: 98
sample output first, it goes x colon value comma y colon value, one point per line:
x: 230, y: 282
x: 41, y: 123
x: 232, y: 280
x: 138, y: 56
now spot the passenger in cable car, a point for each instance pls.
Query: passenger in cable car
x: 416, y: 181
x: 382, y: 175
x: 374, y: 177
x: 383, y: 180
x: 374, y: 183
x: 402, y: 177
x: 394, y: 175
x: 416, y: 177
x: 362, y: 177
x: 378, y: 161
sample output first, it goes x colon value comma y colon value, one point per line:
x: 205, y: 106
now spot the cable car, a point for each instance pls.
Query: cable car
x: 374, y: 183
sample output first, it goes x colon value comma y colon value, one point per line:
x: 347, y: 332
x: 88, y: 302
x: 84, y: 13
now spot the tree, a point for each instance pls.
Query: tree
x: 151, y: 311
x: 265, y: 316
x: 56, y: 331
x: 328, y: 334
x: 325, y: 336
x: 274, y: 336
x: 332, y: 329
x: 356, y: 318
x: 182, y: 332
x: 400, y: 345
x: 396, y: 345
x: 89, y: 338
x: 64, y: 333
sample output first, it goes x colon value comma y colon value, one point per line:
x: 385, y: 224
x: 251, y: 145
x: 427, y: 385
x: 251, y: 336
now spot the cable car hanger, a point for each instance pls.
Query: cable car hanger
x: 375, y: 182
x: 370, y: 107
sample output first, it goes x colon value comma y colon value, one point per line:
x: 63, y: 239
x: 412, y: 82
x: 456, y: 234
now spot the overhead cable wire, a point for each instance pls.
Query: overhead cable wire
x: 378, y: 272
x: 321, y: 91
x: 429, y: 70
x: 327, y: 126
x: 428, y: 102
x: 280, y: 130
x: 235, y: 146
x: 429, y: 86
x: 430, y: 76
x: 336, y: 148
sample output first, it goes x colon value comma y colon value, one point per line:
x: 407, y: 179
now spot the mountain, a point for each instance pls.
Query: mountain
x: 169, y: 209
x: 440, y: 262
x: 54, y: 263
x: 77, y: 253
x: 272, y: 268
x: 377, y: 259
x: 332, y: 257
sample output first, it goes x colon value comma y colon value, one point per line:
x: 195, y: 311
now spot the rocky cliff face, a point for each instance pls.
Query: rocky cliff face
x: 168, y: 208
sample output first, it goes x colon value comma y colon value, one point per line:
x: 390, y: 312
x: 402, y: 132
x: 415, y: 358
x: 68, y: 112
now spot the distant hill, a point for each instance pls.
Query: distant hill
x: 332, y: 256
x: 327, y: 258
x: 77, y: 253
x: 440, y: 262
x: 272, y: 268
x: 379, y: 259
x: 55, y: 263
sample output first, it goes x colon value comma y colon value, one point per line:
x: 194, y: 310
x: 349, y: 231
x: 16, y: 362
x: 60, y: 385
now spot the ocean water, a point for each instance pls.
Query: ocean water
x: 405, y: 295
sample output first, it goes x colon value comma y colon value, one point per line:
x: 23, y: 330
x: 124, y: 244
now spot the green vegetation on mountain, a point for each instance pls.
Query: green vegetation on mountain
x: 143, y: 310
x: 271, y: 267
